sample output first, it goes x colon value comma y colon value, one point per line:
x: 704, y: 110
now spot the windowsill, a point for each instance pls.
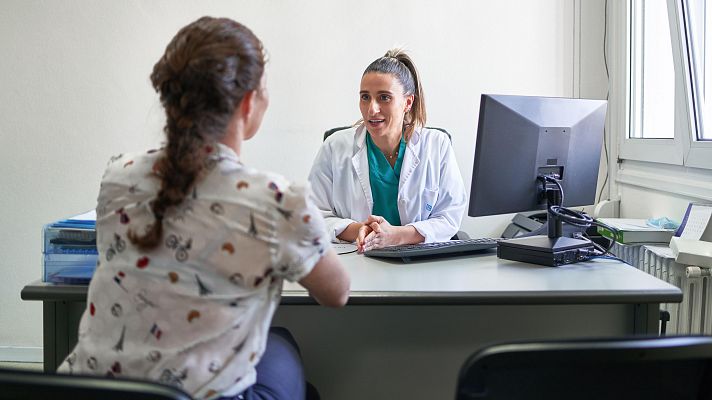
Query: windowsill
x: 674, y: 179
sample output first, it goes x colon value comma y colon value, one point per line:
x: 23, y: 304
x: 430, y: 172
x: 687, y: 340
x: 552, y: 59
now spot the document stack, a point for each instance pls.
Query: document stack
x: 635, y: 231
x: 69, y: 250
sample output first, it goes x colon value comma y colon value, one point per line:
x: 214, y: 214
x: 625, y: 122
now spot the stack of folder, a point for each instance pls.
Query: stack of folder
x: 635, y: 231
x: 69, y: 250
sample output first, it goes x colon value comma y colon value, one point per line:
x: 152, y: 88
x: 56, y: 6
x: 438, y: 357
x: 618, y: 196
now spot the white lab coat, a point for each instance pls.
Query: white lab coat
x: 431, y: 194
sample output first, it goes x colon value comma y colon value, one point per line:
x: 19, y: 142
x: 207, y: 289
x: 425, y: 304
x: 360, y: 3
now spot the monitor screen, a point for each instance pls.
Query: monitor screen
x: 522, y: 137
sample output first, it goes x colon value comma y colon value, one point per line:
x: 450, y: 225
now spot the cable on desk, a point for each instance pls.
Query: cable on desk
x: 580, y: 219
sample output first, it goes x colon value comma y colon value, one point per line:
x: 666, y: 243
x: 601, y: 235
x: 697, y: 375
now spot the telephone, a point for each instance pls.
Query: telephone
x: 524, y: 223
x: 691, y: 252
x: 534, y: 223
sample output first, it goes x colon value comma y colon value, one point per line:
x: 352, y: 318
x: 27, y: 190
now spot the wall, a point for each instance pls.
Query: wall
x: 75, y: 90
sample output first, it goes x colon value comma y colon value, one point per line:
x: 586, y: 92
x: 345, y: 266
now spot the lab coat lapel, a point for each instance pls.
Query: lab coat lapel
x: 360, y: 164
x: 410, y: 159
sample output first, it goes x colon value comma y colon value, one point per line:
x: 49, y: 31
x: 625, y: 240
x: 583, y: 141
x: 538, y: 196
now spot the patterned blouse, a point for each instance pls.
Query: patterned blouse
x: 195, y: 311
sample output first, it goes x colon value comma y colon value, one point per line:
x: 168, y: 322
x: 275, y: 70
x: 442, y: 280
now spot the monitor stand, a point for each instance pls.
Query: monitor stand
x: 552, y: 249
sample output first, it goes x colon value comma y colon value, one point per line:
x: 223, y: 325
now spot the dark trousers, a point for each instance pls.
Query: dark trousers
x: 280, y: 374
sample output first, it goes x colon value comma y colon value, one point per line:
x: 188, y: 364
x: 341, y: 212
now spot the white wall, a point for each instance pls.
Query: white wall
x: 74, y: 90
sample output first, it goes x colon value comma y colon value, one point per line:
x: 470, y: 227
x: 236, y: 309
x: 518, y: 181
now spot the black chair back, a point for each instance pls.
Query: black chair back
x: 23, y: 385
x: 653, y: 368
x: 332, y: 130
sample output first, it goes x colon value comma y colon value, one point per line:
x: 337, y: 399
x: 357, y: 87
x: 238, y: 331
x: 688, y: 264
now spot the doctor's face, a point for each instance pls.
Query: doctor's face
x: 383, y: 104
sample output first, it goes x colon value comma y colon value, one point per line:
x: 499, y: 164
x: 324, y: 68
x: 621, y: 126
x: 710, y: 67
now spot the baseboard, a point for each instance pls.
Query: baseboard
x: 20, y: 354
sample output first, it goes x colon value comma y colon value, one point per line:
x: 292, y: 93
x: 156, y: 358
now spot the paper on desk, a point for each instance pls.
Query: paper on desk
x: 87, y: 216
x: 696, y: 223
x: 344, y: 248
x: 86, y: 220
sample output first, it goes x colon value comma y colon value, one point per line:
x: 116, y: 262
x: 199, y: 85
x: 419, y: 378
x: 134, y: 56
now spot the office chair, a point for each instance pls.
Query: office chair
x: 647, y: 368
x: 460, y: 234
x: 22, y: 384
x: 333, y: 130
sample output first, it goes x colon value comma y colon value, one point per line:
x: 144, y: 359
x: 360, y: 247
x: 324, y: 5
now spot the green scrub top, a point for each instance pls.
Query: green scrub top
x: 384, y: 181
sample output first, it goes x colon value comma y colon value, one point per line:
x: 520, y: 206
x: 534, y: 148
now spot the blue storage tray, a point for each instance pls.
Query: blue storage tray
x: 72, y: 276
x: 68, y: 240
x: 69, y: 250
x: 55, y: 267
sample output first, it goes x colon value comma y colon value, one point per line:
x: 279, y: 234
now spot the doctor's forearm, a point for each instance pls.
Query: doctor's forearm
x: 409, y: 235
x: 350, y: 233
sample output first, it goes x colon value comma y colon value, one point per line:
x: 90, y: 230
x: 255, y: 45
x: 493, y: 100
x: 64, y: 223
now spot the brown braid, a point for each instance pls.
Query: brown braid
x: 203, y: 75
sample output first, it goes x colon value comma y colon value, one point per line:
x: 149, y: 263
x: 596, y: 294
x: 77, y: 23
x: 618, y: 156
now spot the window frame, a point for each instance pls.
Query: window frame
x: 666, y: 151
x: 684, y: 149
x: 699, y: 152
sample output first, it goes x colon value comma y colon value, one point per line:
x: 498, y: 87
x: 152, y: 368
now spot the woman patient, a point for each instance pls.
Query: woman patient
x: 194, y: 245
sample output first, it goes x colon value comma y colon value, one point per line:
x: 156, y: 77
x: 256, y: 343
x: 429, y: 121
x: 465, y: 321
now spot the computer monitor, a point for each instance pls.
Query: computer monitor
x: 521, y: 140
x: 521, y: 137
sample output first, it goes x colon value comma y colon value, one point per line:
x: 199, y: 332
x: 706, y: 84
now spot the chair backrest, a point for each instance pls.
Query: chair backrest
x: 340, y: 128
x: 332, y: 130
x: 22, y: 384
x: 652, y: 368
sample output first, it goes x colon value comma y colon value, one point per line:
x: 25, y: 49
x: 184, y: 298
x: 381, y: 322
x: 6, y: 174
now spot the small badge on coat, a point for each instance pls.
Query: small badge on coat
x: 428, y: 207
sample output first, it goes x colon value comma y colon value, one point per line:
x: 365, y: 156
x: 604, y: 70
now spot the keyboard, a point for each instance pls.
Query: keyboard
x: 435, y: 250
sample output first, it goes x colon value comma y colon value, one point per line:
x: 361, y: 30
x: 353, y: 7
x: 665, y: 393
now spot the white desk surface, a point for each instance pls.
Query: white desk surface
x: 479, y: 279
x: 486, y: 279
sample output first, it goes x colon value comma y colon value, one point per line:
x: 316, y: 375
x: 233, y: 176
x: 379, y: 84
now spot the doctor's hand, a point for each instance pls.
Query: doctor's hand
x: 353, y: 230
x: 364, y: 230
x: 379, y: 233
x: 384, y: 234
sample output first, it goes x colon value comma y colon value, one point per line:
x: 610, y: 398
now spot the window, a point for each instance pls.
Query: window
x: 701, y: 40
x: 652, y: 73
x: 695, y: 65
x: 669, y: 73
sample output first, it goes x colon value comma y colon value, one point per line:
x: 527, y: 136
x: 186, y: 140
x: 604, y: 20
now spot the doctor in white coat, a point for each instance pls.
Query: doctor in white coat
x: 388, y: 180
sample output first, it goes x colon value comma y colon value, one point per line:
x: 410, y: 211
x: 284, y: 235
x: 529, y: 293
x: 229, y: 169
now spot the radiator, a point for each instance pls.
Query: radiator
x: 692, y: 315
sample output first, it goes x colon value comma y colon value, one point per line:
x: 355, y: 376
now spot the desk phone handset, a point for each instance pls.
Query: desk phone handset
x: 534, y: 223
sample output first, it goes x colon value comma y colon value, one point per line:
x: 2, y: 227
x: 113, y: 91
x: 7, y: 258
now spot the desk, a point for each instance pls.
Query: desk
x: 408, y: 328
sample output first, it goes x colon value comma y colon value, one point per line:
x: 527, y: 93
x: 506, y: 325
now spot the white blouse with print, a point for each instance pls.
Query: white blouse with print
x: 195, y: 311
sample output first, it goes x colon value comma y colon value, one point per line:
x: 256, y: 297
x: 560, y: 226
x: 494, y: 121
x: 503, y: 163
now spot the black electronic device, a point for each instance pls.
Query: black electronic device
x: 530, y: 151
x: 543, y: 250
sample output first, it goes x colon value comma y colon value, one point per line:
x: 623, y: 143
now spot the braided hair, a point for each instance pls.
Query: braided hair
x: 206, y: 70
